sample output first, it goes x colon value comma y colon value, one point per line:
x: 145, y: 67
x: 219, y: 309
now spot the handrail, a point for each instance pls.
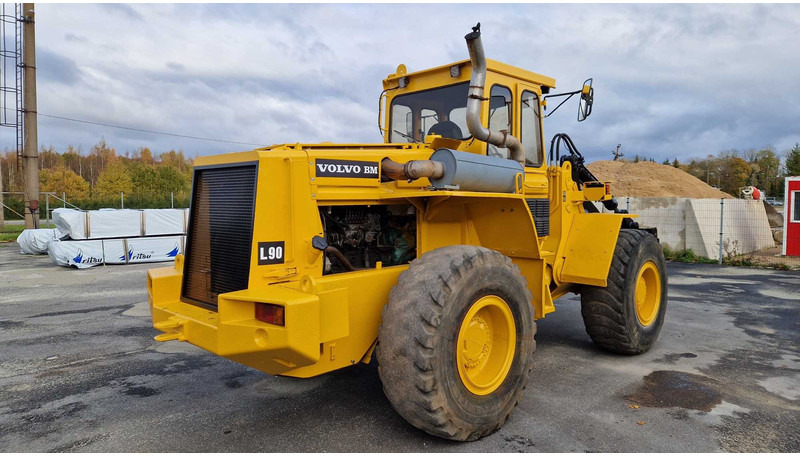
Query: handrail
x: 52, y: 194
x: 12, y: 210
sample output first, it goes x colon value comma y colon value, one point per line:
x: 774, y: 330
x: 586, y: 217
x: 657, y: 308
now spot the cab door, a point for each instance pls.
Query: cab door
x: 529, y: 126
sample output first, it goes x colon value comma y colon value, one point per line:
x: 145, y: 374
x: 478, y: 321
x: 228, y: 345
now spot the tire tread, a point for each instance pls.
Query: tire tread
x: 424, y: 404
x: 604, y: 308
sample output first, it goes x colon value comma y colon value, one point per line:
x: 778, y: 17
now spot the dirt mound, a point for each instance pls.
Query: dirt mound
x: 652, y: 179
x: 775, y: 218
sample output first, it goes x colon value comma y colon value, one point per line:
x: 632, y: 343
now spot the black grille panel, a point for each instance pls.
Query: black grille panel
x: 540, y: 210
x: 219, y: 238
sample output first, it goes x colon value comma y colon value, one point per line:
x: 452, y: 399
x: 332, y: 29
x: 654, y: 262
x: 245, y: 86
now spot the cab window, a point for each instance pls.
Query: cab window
x: 500, y: 116
x: 428, y: 120
x: 440, y: 111
x: 530, y: 129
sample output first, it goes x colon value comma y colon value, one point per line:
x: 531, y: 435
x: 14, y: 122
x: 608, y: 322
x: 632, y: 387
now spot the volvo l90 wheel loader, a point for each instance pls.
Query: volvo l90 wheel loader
x: 436, y: 250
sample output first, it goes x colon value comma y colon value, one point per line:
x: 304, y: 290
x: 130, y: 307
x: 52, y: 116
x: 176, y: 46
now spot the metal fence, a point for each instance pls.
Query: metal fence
x: 13, y: 203
x: 725, y: 231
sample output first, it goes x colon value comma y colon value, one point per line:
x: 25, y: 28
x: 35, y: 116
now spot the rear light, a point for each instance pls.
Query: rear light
x: 270, y: 313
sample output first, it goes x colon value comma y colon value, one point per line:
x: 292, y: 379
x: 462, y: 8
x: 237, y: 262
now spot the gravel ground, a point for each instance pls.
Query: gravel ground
x: 79, y: 371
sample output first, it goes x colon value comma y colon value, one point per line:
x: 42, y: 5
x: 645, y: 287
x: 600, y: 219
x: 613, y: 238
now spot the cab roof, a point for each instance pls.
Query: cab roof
x: 491, y: 66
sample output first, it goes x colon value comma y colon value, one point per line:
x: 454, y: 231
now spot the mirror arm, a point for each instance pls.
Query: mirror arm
x: 565, y: 94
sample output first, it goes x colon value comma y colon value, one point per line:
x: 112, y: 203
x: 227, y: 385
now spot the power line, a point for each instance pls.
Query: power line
x: 150, y: 131
x: 617, y: 154
x: 145, y: 131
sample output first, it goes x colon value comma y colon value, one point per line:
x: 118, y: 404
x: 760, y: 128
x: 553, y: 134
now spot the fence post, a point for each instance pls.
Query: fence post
x: 172, y: 200
x: 47, y: 208
x: 2, y: 208
x: 122, y: 200
x: 721, y: 219
x: 64, y: 198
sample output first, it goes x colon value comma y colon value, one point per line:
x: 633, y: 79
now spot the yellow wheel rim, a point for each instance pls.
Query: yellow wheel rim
x: 486, y: 343
x: 648, y: 293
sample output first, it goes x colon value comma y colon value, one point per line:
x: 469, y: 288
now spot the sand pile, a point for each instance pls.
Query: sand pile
x: 652, y: 179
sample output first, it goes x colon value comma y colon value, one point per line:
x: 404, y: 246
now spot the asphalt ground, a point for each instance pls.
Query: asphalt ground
x: 79, y: 371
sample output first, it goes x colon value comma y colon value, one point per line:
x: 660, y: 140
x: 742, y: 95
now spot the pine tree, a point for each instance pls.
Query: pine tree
x: 793, y: 161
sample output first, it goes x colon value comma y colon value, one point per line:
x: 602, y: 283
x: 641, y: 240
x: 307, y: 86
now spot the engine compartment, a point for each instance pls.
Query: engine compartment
x: 366, y: 235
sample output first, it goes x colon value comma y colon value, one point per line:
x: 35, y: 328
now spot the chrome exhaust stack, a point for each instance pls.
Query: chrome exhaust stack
x: 498, y: 138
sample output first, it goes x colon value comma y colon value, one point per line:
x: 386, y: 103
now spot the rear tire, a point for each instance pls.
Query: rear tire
x: 456, y: 342
x: 626, y: 316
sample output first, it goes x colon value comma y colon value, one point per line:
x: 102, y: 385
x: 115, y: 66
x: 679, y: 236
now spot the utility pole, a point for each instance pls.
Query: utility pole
x: 617, y: 154
x: 30, y: 145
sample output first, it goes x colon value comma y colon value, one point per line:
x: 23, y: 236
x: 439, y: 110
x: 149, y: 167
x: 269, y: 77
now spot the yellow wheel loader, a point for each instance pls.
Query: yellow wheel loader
x: 437, y: 250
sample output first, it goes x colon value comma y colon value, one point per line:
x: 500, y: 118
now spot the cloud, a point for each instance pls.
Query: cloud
x: 52, y: 68
x: 73, y: 37
x: 123, y: 10
x: 671, y: 80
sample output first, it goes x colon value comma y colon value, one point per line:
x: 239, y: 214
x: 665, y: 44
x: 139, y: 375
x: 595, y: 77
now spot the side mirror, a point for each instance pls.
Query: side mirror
x: 587, y: 98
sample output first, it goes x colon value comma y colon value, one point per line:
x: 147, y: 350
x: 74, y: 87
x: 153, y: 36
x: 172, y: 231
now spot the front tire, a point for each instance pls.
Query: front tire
x: 456, y: 342
x: 626, y: 315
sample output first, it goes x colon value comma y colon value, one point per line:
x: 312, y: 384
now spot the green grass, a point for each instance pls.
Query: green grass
x: 9, y: 233
x: 739, y: 261
x: 686, y: 256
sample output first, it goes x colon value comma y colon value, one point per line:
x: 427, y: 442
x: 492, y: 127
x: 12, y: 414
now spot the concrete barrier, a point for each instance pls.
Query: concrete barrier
x: 694, y: 223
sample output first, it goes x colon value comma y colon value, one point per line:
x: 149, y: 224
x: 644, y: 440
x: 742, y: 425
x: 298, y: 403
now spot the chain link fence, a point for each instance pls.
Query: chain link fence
x: 14, y: 205
x: 725, y: 231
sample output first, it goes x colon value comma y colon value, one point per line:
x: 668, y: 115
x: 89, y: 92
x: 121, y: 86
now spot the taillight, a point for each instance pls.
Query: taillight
x: 270, y: 313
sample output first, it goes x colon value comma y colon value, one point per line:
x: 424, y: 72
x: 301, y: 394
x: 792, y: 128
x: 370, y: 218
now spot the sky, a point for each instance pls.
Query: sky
x: 670, y: 81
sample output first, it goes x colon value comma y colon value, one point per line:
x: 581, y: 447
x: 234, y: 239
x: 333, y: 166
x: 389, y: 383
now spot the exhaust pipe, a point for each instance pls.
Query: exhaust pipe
x: 477, y: 81
x: 415, y: 169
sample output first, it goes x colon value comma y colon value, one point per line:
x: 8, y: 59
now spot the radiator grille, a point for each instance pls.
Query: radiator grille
x: 540, y: 210
x: 219, y: 238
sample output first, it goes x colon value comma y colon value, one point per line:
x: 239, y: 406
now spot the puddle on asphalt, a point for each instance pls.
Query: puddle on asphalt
x: 677, y: 389
x: 672, y: 358
x: 774, y: 292
x: 705, y: 280
x: 140, y: 309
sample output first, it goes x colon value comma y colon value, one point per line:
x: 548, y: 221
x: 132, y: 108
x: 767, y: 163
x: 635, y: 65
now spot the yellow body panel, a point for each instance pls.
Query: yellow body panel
x: 590, y: 248
x: 331, y: 320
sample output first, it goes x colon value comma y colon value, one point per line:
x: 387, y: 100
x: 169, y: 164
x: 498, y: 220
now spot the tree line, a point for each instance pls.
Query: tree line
x: 730, y: 170
x: 95, y: 179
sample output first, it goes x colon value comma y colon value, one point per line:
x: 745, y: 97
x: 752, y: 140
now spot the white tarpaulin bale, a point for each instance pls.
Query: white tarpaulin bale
x: 154, y: 249
x: 85, y: 254
x: 70, y: 222
x: 118, y: 223
x: 88, y: 253
x: 109, y: 223
x: 34, y: 242
x: 164, y: 221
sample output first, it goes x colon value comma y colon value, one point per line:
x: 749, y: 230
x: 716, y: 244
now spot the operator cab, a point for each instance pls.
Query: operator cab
x: 434, y: 102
